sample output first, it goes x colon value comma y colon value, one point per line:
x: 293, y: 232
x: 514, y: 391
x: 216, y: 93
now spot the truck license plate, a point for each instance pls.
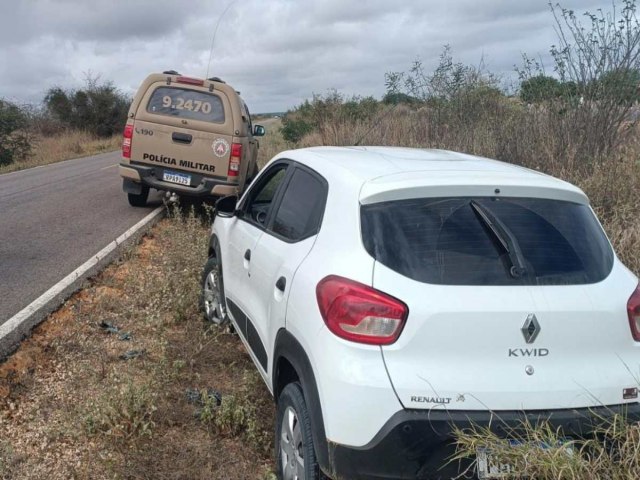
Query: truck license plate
x: 175, y: 177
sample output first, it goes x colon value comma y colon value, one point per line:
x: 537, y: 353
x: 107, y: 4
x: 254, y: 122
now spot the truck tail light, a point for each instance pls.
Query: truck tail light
x: 359, y: 313
x: 234, y: 161
x: 633, y: 309
x: 127, y: 136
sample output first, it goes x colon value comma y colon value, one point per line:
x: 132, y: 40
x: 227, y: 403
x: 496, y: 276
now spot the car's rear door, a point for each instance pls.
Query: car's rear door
x: 288, y: 239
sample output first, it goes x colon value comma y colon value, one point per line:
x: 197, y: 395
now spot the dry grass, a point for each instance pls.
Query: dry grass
x: 272, y: 143
x: 612, y: 453
x: 73, y: 408
x: 509, y: 132
x: 64, y: 146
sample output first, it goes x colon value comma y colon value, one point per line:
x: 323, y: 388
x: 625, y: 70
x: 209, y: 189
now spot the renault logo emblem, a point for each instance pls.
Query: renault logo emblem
x: 531, y: 328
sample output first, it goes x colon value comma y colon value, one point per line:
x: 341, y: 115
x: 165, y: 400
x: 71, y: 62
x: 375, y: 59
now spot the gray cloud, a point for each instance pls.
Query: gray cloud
x: 276, y: 52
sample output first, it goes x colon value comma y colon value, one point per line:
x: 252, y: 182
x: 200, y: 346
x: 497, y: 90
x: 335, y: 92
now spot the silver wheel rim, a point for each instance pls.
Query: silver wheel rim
x: 291, y: 446
x: 211, y: 294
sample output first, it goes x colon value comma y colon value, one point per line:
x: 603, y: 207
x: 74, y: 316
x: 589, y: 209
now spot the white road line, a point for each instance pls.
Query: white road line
x: 110, y: 166
x: 14, y: 322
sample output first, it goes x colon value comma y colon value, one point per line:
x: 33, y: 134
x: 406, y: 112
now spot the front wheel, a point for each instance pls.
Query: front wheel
x: 295, y: 453
x: 139, y: 199
x: 212, y: 298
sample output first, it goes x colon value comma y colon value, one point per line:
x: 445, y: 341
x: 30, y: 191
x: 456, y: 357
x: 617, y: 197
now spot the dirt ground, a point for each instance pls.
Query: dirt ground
x: 125, y: 380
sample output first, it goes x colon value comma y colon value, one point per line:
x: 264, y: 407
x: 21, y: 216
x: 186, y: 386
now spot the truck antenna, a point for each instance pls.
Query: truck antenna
x: 214, y: 35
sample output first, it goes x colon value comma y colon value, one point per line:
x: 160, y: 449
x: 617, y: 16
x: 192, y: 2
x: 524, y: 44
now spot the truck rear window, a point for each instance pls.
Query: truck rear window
x: 478, y: 241
x: 187, y: 104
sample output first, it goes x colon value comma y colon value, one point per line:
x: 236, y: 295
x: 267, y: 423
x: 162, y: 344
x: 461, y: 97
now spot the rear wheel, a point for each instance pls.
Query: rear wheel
x: 140, y: 199
x: 212, y: 298
x: 295, y: 452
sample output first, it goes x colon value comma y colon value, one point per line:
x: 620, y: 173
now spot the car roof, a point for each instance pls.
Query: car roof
x: 387, y: 173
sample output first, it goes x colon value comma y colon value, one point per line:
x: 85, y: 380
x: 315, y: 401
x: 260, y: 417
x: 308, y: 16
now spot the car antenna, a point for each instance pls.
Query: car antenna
x: 214, y: 36
x: 376, y: 123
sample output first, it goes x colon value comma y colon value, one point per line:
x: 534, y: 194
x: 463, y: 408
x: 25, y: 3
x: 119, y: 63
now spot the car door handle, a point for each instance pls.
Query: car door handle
x: 247, y: 255
x: 181, y: 137
x: 281, y: 284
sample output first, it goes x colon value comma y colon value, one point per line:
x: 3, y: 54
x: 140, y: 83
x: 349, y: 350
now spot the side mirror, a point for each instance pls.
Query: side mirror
x: 258, y: 131
x: 226, y: 206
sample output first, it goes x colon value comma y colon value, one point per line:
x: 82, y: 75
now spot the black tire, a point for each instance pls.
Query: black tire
x: 212, y: 302
x: 140, y: 199
x: 300, y: 449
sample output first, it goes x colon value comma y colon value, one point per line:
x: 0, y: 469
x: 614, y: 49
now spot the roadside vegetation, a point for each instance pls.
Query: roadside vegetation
x: 273, y: 142
x: 127, y: 381
x: 68, y: 124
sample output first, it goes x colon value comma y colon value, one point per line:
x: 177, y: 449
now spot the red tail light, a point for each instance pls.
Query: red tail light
x: 126, y: 140
x: 190, y: 81
x: 633, y: 308
x: 234, y: 161
x: 359, y: 313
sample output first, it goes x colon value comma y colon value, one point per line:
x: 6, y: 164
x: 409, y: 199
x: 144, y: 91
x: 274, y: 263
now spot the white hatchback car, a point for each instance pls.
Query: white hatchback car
x: 389, y: 294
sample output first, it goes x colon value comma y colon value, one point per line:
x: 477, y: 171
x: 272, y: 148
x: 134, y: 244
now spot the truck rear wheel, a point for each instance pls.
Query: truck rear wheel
x: 139, y: 199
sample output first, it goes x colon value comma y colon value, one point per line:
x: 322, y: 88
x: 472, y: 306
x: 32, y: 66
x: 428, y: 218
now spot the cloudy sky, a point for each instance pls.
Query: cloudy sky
x: 277, y: 52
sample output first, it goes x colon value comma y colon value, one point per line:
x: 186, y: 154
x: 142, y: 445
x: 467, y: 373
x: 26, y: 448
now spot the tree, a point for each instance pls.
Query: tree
x: 601, y: 58
x: 14, y: 140
x: 99, y: 107
x: 623, y: 83
x: 395, y: 98
x: 449, y: 79
x: 540, y: 88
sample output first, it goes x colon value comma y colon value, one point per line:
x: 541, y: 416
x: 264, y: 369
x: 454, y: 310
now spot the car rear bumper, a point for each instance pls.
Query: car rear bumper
x: 201, y: 186
x: 419, y: 444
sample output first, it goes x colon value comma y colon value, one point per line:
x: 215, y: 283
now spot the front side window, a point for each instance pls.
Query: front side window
x: 187, y: 104
x: 488, y: 241
x: 300, y: 213
x: 262, y: 195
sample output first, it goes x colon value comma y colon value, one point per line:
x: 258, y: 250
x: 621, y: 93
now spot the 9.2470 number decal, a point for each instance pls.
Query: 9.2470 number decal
x: 181, y: 104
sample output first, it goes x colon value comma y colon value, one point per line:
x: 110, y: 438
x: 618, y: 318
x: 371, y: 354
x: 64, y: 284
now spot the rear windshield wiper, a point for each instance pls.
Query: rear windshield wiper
x: 505, y: 238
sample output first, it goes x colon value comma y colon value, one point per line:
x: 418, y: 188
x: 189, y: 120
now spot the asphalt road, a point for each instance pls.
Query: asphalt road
x: 53, y: 219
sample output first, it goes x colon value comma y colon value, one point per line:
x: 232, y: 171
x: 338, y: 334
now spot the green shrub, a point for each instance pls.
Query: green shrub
x: 14, y: 139
x: 324, y: 110
x: 293, y: 128
x: 99, y: 108
x: 124, y: 413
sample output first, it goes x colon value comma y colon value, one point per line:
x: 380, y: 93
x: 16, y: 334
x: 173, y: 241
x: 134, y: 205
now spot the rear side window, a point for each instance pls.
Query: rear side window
x: 300, y: 212
x: 187, y: 104
x: 478, y: 241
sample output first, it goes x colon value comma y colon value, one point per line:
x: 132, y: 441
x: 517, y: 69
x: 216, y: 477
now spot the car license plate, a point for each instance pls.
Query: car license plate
x: 175, y: 177
x: 489, y: 468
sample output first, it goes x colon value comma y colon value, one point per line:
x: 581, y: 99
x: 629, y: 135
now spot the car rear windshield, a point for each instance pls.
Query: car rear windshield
x: 187, y: 104
x: 488, y: 241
